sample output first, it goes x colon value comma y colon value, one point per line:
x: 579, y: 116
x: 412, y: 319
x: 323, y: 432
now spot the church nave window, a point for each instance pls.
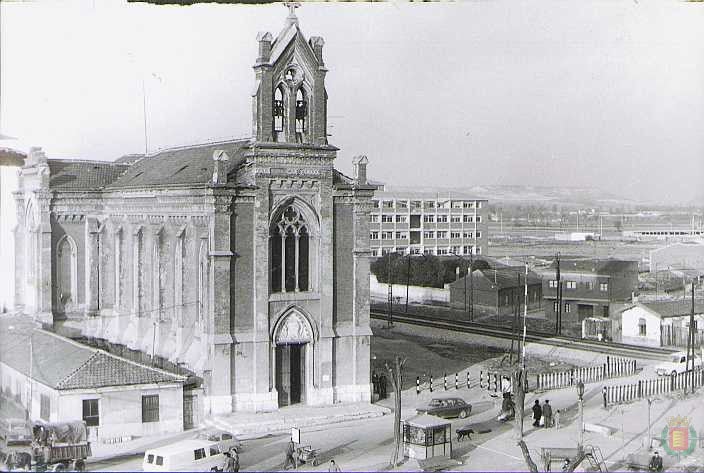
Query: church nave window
x: 290, y: 250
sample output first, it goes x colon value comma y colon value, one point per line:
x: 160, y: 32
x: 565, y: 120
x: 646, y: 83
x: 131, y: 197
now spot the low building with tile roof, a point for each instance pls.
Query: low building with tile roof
x: 499, y: 290
x: 68, y: 381
x: 661, y: 323
x: 243, y: 261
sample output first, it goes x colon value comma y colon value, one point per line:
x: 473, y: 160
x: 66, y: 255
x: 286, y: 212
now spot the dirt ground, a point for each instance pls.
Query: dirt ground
x: 426, y: 356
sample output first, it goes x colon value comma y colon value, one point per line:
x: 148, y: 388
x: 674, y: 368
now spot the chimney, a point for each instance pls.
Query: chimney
x: 219, y: 174
x: 317, y: 43
x: 264, y: 39
x: 360, y: 169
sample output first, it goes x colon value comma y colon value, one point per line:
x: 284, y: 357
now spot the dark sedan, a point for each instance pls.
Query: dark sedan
x: 447, y: 407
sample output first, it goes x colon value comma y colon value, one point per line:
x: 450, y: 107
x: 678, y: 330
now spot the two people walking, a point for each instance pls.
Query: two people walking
x: 542, y: 416
x: 232, y: 461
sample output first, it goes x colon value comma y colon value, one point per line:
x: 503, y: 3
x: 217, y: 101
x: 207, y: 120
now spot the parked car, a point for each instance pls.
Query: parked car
x: 186, y: 455
x: 676, y: 364
x: 447, y: 407
x: 225, y: 440
x: 15, y: 431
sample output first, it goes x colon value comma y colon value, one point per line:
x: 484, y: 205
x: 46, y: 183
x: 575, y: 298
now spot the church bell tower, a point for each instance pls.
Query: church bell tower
x: 289, y: 100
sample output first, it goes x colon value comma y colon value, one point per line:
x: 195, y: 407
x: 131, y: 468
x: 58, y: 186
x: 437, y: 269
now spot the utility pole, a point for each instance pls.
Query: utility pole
x: 391, y: 291
x: 558, y: 296
x: 408, y: 278
x: 690, y: 348
x: 525, y: 315
x: 471, y: 286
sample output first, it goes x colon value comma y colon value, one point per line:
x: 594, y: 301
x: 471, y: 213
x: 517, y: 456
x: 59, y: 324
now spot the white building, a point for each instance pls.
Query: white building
x: 67, y: 381
x: 431, y: 223
x: 660, y: 324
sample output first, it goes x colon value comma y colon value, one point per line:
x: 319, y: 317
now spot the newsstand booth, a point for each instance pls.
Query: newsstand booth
x: 426, y: 436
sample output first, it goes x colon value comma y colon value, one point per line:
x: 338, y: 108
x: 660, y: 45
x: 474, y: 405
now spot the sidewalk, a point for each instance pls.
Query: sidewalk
x: 253, y: 424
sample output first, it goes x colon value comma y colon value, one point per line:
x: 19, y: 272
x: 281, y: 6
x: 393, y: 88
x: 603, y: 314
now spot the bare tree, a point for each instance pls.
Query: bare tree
x: 396, y: 383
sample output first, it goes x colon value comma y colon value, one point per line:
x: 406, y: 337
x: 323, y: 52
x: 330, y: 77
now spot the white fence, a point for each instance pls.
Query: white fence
x: 416, y: 294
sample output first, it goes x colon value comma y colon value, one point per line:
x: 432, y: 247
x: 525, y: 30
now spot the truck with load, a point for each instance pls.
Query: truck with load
x: 55, y: 446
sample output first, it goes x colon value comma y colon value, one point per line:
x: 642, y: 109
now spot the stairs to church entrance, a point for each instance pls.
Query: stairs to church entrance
x: 255, y: 424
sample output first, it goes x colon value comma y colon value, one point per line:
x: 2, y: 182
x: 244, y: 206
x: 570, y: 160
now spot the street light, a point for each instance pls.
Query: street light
x: 580, y: 394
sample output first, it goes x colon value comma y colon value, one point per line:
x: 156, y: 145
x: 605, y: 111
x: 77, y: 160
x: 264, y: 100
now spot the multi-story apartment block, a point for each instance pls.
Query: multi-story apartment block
x: 427, y: 223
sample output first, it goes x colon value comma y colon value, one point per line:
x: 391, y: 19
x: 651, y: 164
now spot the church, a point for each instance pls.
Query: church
x: 244, y: 261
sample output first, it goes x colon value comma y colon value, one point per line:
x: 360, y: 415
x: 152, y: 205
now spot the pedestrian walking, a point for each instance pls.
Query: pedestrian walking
x: 235, y: 459
x: 537, y: 413
x: 229, y: 464
x: 382, y: 386
x: 290, y: 451
x: 333, y: 466
x: 566, y: 464
x: 557, y: 419
x: 547, y: 414
x: 375, y: 382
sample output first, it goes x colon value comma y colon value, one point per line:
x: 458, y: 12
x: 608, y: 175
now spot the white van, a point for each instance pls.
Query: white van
x: 186, y: 455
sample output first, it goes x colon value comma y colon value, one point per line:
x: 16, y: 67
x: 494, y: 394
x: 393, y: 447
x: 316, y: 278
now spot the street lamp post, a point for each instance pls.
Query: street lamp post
x: 650, y: 437
x: 580, y: 394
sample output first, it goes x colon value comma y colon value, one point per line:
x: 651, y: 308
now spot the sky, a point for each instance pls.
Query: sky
x: 608, y: 95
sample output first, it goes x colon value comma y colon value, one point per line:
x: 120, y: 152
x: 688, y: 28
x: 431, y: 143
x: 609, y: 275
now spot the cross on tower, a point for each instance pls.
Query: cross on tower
x: 292, y: 8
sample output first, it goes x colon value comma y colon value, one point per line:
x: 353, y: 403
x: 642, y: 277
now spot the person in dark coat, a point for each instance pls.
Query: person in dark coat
x: 547, y: 413
x: 537, y: 413
x: 655, y: 462
x: 290, y: 451
x: 382, y: 386
x: 375, y: 383
x: 229, y: 464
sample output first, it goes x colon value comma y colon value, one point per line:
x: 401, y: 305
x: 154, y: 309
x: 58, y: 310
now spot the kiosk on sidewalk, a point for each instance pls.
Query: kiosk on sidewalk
x: 426, y: 436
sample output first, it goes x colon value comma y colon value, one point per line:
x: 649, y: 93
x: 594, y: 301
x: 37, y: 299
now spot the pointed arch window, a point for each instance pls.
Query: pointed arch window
x: 301, y: 111
x: 67, y: 272
x: 278, y: 113
x: 290, y: 254
x: 203, y: 277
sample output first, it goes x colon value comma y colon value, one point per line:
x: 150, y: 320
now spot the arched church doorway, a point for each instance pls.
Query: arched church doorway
x: 290, y: 373
x: 293, y: 347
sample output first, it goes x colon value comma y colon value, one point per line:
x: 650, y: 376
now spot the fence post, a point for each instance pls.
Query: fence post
x: 603, y: 371
x: 431, y: 382
x: 608, y: 365
x: 457, y: 384
x: 467, y: 379
x: 572, y: 377
x: 672, y: 382
x: 417, y: 385
x: 537, y: 381
x: 444, y: 380
x: 640, y: 393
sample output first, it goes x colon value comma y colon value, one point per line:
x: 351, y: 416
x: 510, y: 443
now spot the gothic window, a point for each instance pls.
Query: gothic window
x: 301, y: 111
x: 117, y: 248
x: 138, y: 272
x: 290, y: 252
x: 278, y: 112
x: 67, y: 277
x: 202, y: 305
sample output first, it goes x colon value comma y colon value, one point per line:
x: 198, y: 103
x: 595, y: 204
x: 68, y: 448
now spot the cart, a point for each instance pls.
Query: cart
x: 307, y: 454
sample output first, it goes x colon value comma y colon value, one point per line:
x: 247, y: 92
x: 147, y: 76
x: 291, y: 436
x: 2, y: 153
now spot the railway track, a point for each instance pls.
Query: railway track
x: 611, y: 348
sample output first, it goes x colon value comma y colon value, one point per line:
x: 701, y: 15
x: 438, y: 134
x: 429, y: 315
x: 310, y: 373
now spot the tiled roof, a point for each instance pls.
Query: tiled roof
x: 76, y: 174
x: 501, y: 278
x: 103, y: 369
x: 675, y: 308
x: 62, y: 364
x: 190, y: 165
x: 604, y: 266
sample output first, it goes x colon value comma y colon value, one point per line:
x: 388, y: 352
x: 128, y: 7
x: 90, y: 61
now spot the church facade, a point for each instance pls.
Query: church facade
x: 245, y: 261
